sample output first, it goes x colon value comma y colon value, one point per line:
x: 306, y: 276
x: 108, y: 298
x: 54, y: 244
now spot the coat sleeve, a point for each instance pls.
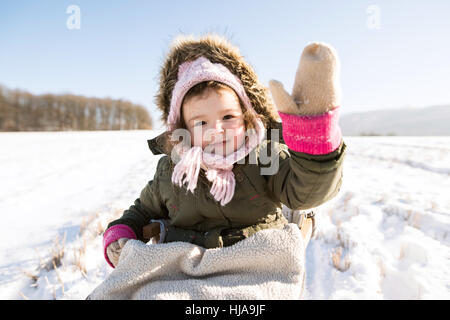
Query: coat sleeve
x: 305, y: 181
x: 148, y: 206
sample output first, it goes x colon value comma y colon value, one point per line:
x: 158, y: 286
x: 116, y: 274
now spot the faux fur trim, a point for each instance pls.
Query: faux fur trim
x: 217, y: 49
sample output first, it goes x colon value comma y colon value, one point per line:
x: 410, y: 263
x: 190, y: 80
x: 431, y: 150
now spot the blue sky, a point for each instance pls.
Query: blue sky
x: 119, y: 48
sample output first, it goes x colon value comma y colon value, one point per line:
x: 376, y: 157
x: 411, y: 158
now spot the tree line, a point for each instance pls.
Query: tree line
x: 23, y: 111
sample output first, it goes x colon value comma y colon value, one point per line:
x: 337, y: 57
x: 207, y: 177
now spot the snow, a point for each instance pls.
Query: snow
x: 391, y: 221
x: 385, y: 236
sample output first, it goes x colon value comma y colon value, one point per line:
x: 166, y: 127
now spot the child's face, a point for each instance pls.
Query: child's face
x: 215, y: 121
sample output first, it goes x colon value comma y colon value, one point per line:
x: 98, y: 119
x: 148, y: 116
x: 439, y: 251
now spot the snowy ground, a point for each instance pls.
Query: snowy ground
x: 385, y: 236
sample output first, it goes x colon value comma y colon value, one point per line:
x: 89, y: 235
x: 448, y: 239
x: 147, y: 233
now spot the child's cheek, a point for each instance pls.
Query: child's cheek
x: 238, y: 135
x: 240, y: 140
x: 196, y: 137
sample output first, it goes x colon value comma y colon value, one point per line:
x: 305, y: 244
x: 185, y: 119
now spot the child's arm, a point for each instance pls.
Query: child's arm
x: 312, y: 174
x: 306, y: 181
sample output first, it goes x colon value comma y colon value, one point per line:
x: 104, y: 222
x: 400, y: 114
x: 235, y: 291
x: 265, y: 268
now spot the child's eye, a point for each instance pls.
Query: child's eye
x: 199, y: 123
x: 228, y: 116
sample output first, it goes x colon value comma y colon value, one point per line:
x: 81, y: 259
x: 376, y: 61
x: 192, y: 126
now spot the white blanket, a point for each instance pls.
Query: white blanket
x: 267, y: 265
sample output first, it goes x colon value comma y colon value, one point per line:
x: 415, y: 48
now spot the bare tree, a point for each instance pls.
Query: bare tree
x: 23, y: 111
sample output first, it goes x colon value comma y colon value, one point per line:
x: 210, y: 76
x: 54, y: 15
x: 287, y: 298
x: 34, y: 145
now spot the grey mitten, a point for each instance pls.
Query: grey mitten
x: 114, y: 249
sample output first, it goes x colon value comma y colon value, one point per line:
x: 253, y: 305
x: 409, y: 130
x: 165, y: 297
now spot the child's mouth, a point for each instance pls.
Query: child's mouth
x: 218, y: 147
x: 219, y: 144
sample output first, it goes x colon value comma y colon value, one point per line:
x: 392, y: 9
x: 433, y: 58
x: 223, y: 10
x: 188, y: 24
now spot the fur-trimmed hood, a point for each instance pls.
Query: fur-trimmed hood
x: 217, y: 49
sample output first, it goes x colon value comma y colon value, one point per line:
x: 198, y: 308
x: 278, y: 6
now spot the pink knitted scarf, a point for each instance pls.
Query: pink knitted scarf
x: 218, y: 168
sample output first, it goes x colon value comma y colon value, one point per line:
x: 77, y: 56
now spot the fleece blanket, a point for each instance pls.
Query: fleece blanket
x: 267, y: 265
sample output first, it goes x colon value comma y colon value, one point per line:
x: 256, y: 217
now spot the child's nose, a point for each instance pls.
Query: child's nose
x: 219, y: 126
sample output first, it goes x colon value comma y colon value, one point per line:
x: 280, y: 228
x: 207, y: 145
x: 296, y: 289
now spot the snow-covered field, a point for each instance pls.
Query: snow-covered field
x: 385, y: 236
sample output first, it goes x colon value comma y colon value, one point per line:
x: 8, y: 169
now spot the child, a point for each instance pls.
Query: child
x: 211, y: 189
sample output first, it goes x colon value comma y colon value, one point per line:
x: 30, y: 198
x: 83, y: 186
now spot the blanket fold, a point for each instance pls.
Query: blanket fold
x: 267, y: 265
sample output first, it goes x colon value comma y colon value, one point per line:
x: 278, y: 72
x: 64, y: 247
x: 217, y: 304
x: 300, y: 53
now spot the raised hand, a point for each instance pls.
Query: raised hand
x: 316, y: 88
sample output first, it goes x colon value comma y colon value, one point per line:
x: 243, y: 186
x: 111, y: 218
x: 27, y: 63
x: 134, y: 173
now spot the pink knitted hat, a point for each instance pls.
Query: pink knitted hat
x: 193, y: 72
x: 219, y: 168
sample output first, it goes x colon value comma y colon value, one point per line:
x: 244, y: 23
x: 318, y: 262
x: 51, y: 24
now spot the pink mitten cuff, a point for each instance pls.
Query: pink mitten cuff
x: 115, y: 233
x: 317, y: 134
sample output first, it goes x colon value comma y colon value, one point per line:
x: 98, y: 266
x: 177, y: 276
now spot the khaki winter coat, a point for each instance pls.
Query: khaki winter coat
x: 302, y: 181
